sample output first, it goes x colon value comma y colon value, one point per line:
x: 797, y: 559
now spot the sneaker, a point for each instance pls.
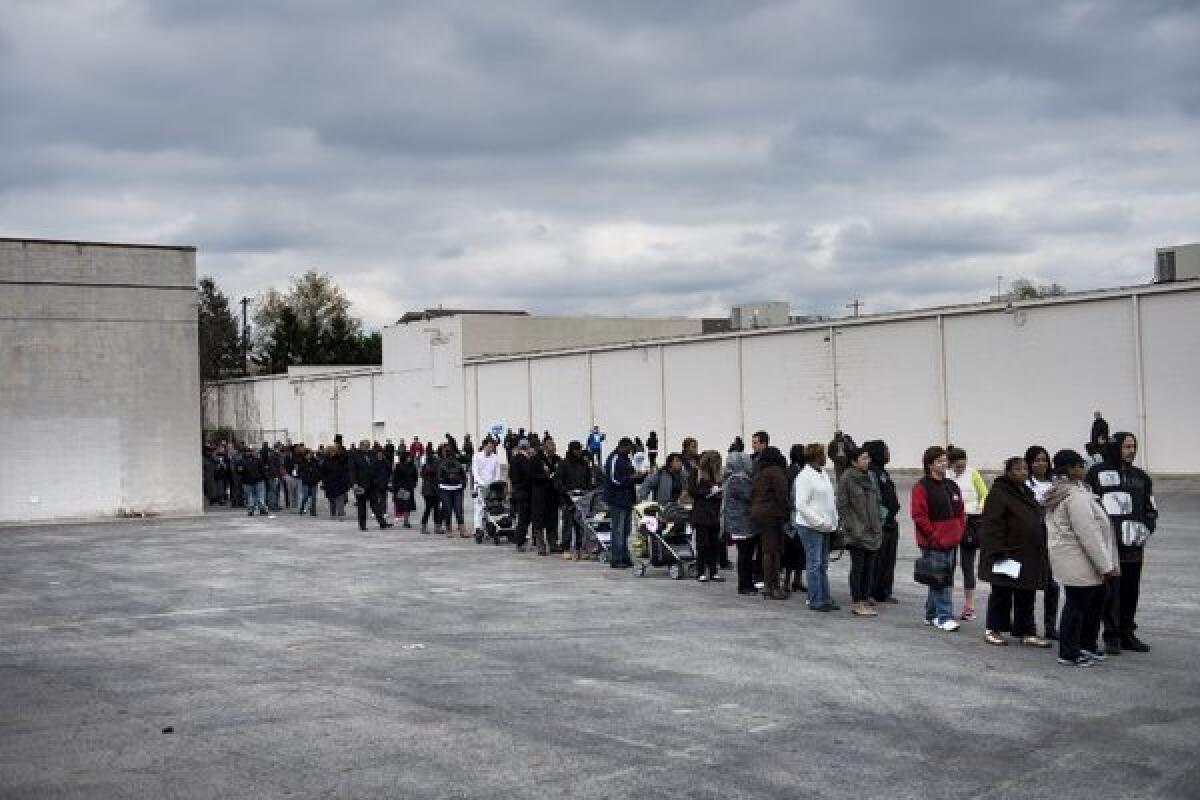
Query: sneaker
x: 967, y: 615
x: 948, y: 626
x: 759, y: 585
x: 270, y: 516
x: 1035, y: 641
x: 718, y: 577
x: 1082, y: 661
x: 931, y: 623
x: 702, y: 578
x: 991, y: 637
x: 1099, y: 658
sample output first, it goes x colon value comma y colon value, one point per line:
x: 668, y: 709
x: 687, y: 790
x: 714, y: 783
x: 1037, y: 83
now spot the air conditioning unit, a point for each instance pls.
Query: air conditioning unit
x: 1179, y: 263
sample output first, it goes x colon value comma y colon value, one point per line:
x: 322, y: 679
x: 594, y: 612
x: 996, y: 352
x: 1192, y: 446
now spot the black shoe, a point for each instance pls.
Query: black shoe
x: 1112, y: 648
x: 362, y: 528
x: 383, y: 526
x: 799, y: 587
x: 833, y: 607
x: 747, y: 591
x: 1132, y: 642
x: 820, y: 608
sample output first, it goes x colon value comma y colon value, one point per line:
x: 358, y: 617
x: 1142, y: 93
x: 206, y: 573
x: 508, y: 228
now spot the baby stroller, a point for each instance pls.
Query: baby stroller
x: 499, y: 519
x: 592, y: 515
x: 668, y: 541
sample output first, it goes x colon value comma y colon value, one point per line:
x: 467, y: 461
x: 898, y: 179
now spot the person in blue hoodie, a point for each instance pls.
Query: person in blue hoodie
x: 620, y: 494
x: 595, y: 445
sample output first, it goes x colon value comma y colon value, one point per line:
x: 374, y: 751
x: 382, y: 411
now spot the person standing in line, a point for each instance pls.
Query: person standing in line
x: 574, y: 475
x: 706, y: 517
x: 652, y: 449
x: 367, y: 467
x: 769, y: 510
x: 974, y: 494
x: 1012, y: 537
x: 335, y: 475
x: 858, y: 505
x: 1040, y: 482
x: 1083, y: 554
x: 452, y: 482
x: 404, y: 487
x: 417, y: 451
x: 595, y: 445
x: 690, y: 454
x: 883, y: 576
x: 620, y: 493
x: 793, y: 547
x: 389, y: 452
x: 668, y: 482
x: 1098, y: 437
x: 814, y: 513
x: 310, y: 478
x: 839, y: 447
x: 759, y: 441
x: 939, y: 520
x: 735, y: 519
x: 520, y: 478
x: 485, y: 470
x: 1127, y: 494
x: 429, y: 493
x: 737, y: 445
x: 254, y: 486
x: 510, y: 444
x: 545, y: 498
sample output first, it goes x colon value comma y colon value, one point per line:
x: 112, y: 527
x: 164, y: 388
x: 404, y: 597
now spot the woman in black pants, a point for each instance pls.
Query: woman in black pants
x: 706, y: 516
x: 858, y: 514
x: 1012, y: 556
x: 429, y: 492
x: 735, y: 515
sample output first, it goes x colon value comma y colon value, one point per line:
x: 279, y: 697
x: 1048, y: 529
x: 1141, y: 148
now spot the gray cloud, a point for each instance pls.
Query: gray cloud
x: 616, y: 157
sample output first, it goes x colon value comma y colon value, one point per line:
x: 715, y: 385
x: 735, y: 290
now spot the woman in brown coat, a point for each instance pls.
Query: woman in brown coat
x: 769, y: 509
x: 1011, y: 536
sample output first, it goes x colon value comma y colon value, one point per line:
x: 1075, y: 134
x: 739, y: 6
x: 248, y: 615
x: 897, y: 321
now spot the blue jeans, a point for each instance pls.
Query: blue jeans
x: 452, y: 505
x: 939, y: 604
x: 308, y: 494
x: 256, y: 496
x: 816, y: 566
x: 622, y: 520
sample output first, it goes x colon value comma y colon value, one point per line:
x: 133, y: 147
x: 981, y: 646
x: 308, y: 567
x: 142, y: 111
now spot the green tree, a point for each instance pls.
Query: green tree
x: 1025, y: 289
x: 219, y: 342
x: 310, y: 324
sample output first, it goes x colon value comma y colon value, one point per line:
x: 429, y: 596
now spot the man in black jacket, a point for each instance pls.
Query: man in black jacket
x: 574, y: 475
x: 520, y: 476
x: 369, y: 476
x: 545, y: 498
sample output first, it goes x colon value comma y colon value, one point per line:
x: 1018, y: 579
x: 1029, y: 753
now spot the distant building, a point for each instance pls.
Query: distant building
x: 1178, y: 263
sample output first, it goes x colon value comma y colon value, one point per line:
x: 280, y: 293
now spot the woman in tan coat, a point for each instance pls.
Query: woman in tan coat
x: 1083, y: 554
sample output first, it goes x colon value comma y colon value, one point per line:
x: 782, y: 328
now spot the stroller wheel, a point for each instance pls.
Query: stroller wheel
x: 639, y: 569
x: 676, y: 572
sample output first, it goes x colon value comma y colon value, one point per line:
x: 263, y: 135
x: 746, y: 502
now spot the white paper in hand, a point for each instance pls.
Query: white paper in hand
x: 1007, y: 567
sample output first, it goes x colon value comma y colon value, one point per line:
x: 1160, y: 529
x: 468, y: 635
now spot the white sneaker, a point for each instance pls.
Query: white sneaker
x: 931, y: 623
x: 703, y: 579
x: 948, y: 625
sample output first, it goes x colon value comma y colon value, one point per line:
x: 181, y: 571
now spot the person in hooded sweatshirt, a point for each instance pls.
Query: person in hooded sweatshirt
x: 883, y: 576
x: 1083, y: 554
x: 1127, y: 494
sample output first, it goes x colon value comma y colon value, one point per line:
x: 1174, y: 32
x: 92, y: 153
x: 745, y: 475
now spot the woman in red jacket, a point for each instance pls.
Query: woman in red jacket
x: 940, y: 519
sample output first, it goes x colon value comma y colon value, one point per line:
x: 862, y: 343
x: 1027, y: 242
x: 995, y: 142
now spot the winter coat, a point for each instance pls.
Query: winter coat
x: 858, y: 510
x: 887, y: 496
x: 813, y: 502
x: 936, y: 530
x: 404, y: 476
x: 620, y: 481
x: 1127, y: 494
x: 310, y: 471
x: 769, y: 495
x: 1081, y: 546
x: 429, y: 477
x: 451, y: 474
x: 669, y: 486
x: 335, y: 474
x: 520, y: 476
x: 250, y: 470
x: 706, y: 506
x: 575, y: 474
x: 735, y: 507
x: 1012, y: 528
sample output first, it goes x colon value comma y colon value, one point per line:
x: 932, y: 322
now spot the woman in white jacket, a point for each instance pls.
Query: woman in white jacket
x: 1082, y: 555
x: 816, y: 518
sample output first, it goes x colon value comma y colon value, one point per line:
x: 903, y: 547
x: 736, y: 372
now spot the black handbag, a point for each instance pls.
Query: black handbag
x: 934, y: 573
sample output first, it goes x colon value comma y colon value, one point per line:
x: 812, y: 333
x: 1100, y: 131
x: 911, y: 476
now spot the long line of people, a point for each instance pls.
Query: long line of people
x: 1062, y: 525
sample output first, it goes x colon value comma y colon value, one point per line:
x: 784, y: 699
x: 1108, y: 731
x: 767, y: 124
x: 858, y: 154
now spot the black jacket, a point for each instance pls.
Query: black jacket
x: 429, y: 477
x: 366, y: 471
x: 1012, y: 528
x: 404, y: 476
x: 543, y: 468
x: 310, y: 471
x: 706, y: 508
x: 335, y: 473
x: 520, y: 475
x: 451, y: 473
x: 250, y: 469
x: 575, y: 474
x: 888, y: 496
x: 1127, y: 494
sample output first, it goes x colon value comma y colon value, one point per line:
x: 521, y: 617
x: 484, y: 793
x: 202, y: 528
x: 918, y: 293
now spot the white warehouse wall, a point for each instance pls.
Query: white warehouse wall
x: 1010, y: 380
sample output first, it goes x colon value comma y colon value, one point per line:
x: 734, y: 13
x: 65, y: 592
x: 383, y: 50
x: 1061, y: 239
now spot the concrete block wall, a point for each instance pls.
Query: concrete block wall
x: 99, y: 380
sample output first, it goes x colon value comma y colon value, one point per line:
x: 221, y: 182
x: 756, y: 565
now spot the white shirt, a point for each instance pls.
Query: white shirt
x: 485, y: 469
x: 815, y: 501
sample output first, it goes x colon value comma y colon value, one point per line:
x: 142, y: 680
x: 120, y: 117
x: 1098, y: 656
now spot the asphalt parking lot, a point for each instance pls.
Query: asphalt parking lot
x: 298, y: 657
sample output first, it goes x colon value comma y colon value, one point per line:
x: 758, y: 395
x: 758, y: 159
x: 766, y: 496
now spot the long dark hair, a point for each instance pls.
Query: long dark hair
x: 772, y: 457
x: 1031, y: 454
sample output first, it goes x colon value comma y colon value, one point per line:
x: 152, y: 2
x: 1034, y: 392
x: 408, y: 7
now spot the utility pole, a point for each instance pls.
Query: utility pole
x: 245, y: 301
x: 855, y: 306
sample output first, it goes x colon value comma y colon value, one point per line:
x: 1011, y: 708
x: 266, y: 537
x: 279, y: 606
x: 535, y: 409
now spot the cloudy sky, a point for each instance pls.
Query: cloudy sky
x: 625, y: 157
